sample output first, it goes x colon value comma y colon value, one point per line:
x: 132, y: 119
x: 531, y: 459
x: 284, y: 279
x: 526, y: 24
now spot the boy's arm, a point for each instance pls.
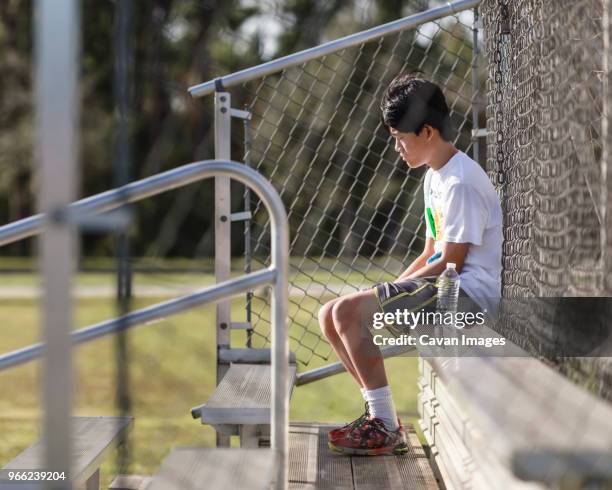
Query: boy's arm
x: 420, y: 261
x: 451, y: 252
x: 464, y: 224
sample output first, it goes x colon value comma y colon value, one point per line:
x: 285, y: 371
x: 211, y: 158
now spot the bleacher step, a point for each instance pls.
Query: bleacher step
x: 312, y: 465
x: 191, y: 468
x: 92, y: 438
x: 242, y: 398
x: 130, y: 482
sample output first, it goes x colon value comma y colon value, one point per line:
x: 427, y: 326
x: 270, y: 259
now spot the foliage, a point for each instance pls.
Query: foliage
x: 174, y: 44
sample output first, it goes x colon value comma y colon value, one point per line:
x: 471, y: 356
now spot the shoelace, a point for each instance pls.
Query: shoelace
x: 379, y: 425
x: 359, y: 421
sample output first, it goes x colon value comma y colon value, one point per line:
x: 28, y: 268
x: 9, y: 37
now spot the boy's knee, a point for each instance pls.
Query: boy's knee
x: 344, y: 313
x: 326, y: 321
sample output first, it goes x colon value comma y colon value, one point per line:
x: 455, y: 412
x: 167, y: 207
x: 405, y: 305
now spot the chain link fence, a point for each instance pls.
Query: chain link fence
x: 544, y: 115
x: 355, y: 209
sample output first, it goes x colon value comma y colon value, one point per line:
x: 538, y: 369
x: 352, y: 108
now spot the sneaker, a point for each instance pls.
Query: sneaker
x: 341, y: 431
x: 371, y: 438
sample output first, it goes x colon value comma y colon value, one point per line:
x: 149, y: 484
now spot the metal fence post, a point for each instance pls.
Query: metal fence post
x: 475, y: 89
x: 222, y: 230
x: 606, y: 141
x: 57, y: 50
x: 122, y: 164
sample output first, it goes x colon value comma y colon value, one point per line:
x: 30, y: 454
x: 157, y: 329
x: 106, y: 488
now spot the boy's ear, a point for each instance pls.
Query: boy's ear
x: 430, y: 132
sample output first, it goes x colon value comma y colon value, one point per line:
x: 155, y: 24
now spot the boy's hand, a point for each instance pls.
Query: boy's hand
x: 420, y: 261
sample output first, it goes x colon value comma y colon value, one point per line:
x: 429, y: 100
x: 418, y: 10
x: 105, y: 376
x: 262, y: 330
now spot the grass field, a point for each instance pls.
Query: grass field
x: 172, y: 368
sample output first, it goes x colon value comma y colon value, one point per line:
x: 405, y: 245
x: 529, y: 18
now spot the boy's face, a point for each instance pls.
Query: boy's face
x: 414, y: 148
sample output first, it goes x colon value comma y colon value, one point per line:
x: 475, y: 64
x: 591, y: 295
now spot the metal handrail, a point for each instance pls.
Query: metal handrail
x: 277, y: 275
x: 334, y: 368
x: 109, y: 200
x: 150, y: 314
x: 331, y: 47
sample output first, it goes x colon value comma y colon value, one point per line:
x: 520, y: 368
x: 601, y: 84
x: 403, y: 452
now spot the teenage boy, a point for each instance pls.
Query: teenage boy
x: 463, y: 226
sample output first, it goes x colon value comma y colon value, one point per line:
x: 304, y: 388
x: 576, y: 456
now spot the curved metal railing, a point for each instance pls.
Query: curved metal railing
x: 276, y: 275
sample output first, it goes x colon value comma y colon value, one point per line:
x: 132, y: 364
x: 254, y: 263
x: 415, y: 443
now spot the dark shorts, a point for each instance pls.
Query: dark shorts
x: 414, y: 294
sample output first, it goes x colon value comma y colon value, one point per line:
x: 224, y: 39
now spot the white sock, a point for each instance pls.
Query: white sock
x: 380, y: 402
x: 363, y: 394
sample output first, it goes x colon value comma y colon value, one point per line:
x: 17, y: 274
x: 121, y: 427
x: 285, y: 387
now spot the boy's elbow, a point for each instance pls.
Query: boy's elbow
x: 456, y: 253
x: 458, y: 263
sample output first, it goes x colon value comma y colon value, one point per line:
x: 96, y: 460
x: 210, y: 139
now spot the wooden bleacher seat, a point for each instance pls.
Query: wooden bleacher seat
x: 93, y: 439
x: 312, y: 466
x: 242, y: 400
x: 222, y: 468
x: 508, y: 423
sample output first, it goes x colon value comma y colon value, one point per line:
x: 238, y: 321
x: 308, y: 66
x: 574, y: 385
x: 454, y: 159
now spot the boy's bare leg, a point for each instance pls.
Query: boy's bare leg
x: 329, y: 330
x: 352, y: 315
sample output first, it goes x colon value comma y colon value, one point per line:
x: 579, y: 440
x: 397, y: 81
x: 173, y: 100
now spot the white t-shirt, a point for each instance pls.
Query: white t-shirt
x: 466, y: 209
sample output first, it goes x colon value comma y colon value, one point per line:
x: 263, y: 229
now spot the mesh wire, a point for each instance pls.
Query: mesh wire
x: 544, y: 115
x: 550, y: 118
x: 355, y: 209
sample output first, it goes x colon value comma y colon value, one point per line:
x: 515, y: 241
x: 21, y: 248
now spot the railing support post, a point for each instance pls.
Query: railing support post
x: 57, y: 49
x: 222, y: 231
x: 280, y: 345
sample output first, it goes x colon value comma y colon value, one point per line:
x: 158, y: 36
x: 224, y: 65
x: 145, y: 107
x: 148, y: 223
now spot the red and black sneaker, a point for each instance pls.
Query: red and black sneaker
x: 371, y: 438
x: 341, y: 431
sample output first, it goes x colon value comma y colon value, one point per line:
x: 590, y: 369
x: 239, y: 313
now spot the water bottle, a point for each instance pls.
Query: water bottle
x: 448, y: 289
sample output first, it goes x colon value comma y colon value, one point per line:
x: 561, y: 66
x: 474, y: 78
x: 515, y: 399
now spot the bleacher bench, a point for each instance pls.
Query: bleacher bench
x: 311, y: 466
x: 92, y: 440
x: 241, y: 403
x: 191, y: 468
x: 512, y: 423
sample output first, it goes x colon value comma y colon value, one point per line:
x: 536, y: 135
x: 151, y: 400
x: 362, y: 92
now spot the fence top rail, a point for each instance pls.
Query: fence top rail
x: 227, y: 81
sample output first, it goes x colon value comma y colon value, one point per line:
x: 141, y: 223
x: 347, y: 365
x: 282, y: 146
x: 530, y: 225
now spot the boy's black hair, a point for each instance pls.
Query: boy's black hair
x: 410, y: 102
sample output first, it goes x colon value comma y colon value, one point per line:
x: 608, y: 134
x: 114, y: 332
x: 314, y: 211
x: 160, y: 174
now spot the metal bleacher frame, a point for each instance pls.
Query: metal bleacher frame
x: 223, y: 216
x: 460, y: 450
x: 276, y: 275
x: 488, y: 422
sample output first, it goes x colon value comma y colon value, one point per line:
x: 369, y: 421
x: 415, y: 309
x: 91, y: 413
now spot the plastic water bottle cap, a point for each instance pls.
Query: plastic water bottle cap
x: 451, y: 265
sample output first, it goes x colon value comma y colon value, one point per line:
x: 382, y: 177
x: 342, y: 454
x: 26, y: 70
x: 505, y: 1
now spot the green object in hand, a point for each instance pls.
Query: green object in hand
x: 431, y: 221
